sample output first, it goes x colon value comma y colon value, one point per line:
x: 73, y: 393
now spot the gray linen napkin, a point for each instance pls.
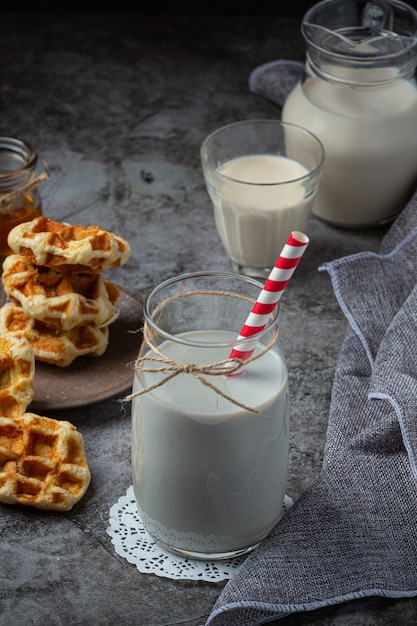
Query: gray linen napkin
x: 353, y: 533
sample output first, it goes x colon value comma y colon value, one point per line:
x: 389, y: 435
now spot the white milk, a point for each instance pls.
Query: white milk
x: 209, y: 477
x: 254, y: 220
x: 370, y: 140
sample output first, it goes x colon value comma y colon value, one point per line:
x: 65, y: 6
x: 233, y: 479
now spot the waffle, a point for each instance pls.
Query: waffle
x: 67, y: 248
x: 62, y: 300
x: 49, y: 343
x: 17, y: 370
x: 42, y: 463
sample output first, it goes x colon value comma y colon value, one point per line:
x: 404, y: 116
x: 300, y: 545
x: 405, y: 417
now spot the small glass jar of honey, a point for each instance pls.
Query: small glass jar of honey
x: 20, y: 200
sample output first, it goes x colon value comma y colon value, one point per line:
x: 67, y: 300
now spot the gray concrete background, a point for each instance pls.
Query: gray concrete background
x: 118, y: 107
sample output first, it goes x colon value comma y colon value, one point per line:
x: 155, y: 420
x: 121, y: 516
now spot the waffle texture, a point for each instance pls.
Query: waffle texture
x: 69, y: 248
x: 42, y: 463
x: 61, y: 300
x: 49, y: 343
x: 17, y: 369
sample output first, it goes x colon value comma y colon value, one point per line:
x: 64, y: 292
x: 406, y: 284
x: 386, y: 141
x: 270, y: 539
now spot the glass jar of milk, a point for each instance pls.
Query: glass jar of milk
x: 359, y: 97
x: 209, y: 444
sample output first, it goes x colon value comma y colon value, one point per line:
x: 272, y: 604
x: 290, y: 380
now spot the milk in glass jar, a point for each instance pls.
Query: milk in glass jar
x: 209, y: 447
x: 358, y: 95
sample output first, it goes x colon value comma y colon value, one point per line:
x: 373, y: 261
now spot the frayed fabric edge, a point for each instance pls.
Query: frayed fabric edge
x: 279, y: 611
x: 400, y: 417
x: 332, y: 267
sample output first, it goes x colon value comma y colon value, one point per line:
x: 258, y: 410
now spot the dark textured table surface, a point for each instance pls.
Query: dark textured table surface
x: 118, y: 107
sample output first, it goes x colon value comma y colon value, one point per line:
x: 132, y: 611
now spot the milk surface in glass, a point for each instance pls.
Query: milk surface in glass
x: 210, y: 477
x: 370, y: 140
x: 254, y: 219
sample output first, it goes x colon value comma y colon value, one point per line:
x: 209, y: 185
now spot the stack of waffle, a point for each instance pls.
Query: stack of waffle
x: 58, y: 299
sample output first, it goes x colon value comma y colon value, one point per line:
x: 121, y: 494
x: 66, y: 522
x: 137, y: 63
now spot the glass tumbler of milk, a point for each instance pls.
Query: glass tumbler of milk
x: 262, y: 177
x: 209, y: 447
x: 359, y: 96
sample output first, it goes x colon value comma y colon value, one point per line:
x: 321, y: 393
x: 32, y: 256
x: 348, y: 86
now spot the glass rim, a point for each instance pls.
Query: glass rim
x: 23, y: 149
x: 270, y: 325
x: 261, y: 121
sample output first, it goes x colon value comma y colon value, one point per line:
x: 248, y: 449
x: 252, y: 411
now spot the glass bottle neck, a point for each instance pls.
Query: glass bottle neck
x: 363, y: 74
x: 18, y: 162
x: 361, y: 43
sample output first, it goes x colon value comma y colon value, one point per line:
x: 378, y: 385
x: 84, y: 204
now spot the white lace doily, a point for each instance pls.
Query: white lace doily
x: 132, y: 542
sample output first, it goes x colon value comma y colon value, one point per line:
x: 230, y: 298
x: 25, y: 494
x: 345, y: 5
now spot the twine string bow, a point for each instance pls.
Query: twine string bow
x: 172, y: 368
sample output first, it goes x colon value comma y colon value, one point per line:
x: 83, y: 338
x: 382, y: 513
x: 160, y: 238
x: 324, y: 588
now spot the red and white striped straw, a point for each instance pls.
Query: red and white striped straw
x: 271, y: 292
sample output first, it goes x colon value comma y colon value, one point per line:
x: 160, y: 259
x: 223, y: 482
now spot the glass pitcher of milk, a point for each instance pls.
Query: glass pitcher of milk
x: 359, y: 97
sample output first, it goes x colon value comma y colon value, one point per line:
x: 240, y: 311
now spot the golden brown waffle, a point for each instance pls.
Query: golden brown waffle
x: 42, y: 463
x: 63, y: 300
x: 49, y: 343
x: 17, y: 370
x: 67, y: 248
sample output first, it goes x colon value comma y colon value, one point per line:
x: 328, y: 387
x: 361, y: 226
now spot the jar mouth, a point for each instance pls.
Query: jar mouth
x: 175, y: 285
x: 362, y: 32
x: 17, y: 157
